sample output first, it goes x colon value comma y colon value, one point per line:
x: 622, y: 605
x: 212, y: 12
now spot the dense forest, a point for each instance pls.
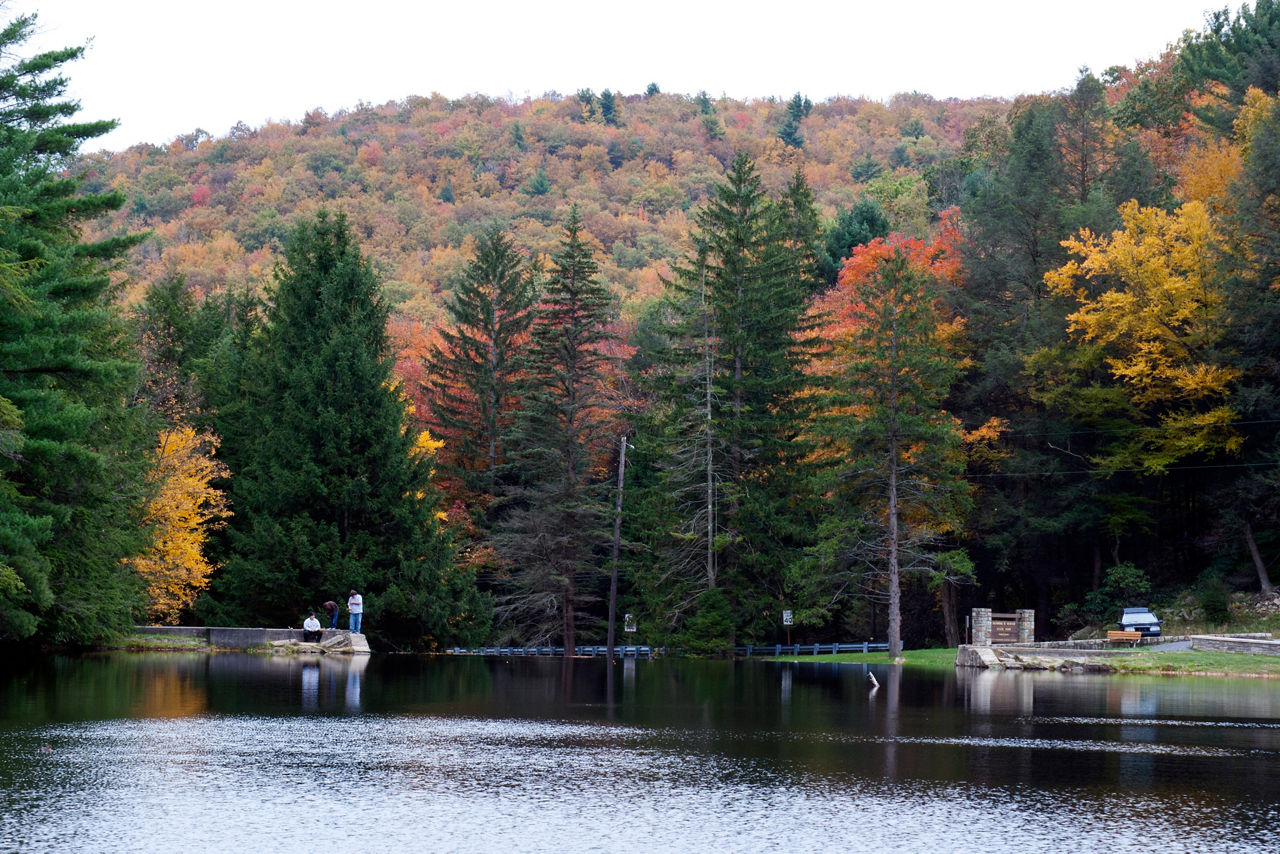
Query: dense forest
x: 499, y: 365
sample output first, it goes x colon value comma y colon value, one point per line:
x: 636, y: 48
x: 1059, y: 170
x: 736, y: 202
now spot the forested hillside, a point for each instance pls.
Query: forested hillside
x: 870, y: 363
x: 421, y: 179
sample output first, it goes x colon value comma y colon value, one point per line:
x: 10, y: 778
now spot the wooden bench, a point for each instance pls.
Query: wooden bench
x: 1131, y: 638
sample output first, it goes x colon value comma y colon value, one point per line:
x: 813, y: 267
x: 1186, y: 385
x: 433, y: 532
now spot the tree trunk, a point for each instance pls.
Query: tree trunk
x: 570, y: 647
x: 1264, y: 580
x: 950, y: 625
x: 708, y: 368
x: 895, y: 596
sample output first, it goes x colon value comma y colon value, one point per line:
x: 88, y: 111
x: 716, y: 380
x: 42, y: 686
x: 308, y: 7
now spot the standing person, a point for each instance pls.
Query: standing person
x: 311, y: 631
x: 355, y: 607
x: 331, y: 608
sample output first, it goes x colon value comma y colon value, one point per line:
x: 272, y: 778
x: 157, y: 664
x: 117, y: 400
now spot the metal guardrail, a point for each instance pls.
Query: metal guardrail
x: 778, y: 649
x: 775, y: 650
x: 601, y: 650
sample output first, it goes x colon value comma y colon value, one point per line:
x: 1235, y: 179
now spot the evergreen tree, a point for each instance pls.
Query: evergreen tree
x: 588, y: 106
x: 1085, y: 132
x: 473, y: 371
x: 72, y: 464
x: 730, y: 382
x: 801, y: 235
x: 856, y: 226
x: 330, y: 490
x: 1249, y: 504
x: 609, y: 108
x: 557, y: 521
x: 797, y: 110
x: 1232, y: 55
x: 1043, y: 523
x: 893, y: 470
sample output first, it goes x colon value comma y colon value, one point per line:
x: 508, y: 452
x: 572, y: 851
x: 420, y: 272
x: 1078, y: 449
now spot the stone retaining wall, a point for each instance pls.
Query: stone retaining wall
x: 1249, y: 646
x: 1046, y: 654
x: 225, y: 637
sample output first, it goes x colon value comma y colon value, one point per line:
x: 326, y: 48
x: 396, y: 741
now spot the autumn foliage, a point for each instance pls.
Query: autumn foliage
x: 184, y: 507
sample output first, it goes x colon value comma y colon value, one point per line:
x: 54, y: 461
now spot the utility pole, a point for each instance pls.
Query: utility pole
x: 617, y: 548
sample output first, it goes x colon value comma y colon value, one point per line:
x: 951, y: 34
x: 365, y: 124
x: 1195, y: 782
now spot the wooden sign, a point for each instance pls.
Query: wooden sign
x: 1004, y: 628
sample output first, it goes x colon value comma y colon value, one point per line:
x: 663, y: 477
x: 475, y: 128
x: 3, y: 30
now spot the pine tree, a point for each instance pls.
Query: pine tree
x: 474, y: 370
x: 893, y: 469
x: 1042, y: 525
x: 332, y: 491
x: 731, y: 383
x: 557, y: 522
x: 797, y: 110
x: 72, y: 478
x: 609, y: 112
x: 856, y: 226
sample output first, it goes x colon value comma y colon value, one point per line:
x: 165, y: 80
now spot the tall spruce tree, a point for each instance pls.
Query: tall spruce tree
x: 556, y: 527
x: 473, y: 371
x: 72, y: 447
x: 330, y: 489
x: 730, y: 381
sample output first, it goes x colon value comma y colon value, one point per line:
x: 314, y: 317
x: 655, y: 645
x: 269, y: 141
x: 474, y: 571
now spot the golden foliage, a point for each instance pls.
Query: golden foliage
x: 1149, y: 297
x: 183, y: 508
x: 1207, y: 172
x: 1164, y: 315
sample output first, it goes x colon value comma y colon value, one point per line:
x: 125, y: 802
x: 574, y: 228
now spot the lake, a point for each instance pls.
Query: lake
x: 167, y: 752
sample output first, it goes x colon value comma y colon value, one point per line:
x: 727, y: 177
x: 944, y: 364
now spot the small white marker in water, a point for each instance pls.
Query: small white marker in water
x: 872, y: 677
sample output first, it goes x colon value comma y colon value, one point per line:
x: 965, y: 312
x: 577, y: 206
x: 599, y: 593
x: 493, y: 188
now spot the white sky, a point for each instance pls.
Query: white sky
x: 166, y: 67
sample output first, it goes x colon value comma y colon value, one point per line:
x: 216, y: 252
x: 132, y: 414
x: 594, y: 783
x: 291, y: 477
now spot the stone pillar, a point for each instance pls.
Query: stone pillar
x: 1026, y: 625
x: 981, y: 618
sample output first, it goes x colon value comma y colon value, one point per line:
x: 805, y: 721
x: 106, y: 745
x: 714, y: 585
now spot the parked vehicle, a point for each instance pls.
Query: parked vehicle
x: 1139, y: 620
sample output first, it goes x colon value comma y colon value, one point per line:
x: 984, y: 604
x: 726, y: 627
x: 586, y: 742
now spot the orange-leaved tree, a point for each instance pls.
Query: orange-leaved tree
x: 893, y: 457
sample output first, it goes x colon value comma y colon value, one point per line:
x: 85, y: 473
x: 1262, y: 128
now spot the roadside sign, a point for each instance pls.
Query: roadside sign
x: 629, y: 623
x: 786, y: 618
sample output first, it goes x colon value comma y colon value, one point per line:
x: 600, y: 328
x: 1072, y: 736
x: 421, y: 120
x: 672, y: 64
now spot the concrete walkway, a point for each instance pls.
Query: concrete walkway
x: 235, y: 637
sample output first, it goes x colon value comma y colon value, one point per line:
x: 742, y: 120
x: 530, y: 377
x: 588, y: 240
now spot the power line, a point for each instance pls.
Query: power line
x: 1100, y: 471
x: 1115, y: 430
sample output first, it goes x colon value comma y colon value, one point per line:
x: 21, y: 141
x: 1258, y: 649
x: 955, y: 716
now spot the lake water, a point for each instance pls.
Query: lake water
x: 178, y: 752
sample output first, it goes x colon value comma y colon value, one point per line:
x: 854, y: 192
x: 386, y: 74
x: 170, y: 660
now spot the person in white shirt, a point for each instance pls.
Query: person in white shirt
x: 311, y: 632
x: 355, y: 607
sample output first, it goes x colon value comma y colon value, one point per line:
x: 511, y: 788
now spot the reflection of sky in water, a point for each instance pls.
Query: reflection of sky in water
x: 436, y: 784
x: 772, y: 759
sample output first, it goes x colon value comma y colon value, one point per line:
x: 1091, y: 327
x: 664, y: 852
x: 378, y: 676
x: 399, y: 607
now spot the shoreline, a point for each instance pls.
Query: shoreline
x: 1119, y: 663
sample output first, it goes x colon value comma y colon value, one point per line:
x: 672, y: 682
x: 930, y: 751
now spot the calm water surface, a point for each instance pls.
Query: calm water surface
x: 173, y: 752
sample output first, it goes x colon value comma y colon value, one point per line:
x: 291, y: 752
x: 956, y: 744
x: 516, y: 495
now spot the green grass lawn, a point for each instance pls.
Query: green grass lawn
x: 931, y: 658
x: 157, y: 642
x: 1190, y: 661
x: 1139, y: 661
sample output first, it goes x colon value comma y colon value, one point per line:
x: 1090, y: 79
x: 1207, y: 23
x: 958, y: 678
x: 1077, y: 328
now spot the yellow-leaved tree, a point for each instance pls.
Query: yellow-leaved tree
x: 184, y: 507
x: 1149, y: 299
